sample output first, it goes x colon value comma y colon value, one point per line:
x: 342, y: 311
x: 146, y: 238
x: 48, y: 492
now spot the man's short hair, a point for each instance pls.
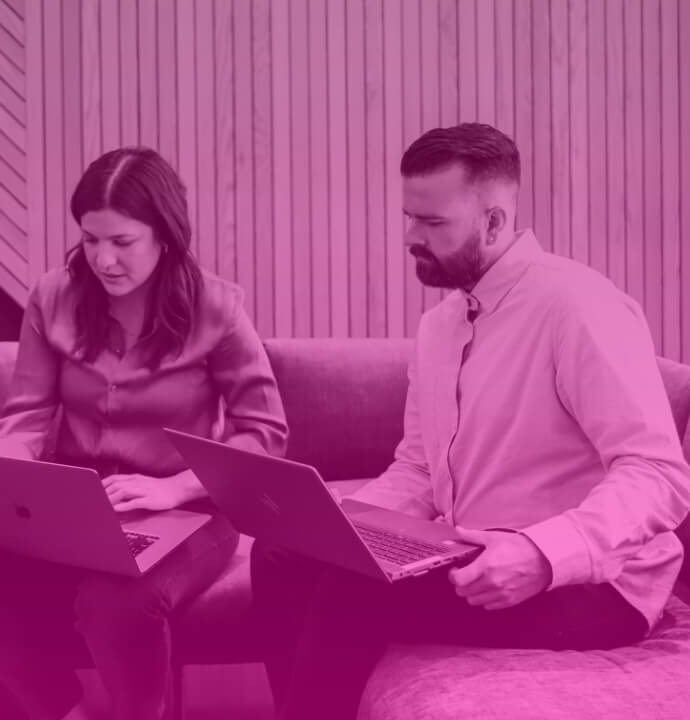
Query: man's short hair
x: 485, y: 153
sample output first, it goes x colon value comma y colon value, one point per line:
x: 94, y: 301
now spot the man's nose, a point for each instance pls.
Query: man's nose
x: 412, y: 234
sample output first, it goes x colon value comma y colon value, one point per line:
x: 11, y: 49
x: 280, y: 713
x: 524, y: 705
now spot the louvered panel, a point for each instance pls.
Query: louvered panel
x: 14, y: 249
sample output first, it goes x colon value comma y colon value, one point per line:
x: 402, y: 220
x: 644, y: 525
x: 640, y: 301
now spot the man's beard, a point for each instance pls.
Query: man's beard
x: 461, y: 270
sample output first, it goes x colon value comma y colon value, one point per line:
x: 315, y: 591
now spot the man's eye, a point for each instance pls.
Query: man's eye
x: 434, y: 222
x: 88, y: 239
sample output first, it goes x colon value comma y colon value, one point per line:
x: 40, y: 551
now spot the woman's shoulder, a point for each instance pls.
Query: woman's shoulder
x: 54, y: 289
x: 220, y: 299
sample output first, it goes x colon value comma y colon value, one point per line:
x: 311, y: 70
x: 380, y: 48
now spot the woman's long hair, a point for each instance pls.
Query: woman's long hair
x: 139, y: 183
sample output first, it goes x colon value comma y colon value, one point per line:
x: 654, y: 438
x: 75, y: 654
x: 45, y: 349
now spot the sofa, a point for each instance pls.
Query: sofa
x: 344, y: 402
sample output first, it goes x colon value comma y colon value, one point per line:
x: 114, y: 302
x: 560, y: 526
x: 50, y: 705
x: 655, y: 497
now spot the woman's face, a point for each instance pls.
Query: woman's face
x: 121, y: 251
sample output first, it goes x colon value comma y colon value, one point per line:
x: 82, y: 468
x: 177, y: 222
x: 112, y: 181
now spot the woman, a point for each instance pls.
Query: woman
x: 130, y: 337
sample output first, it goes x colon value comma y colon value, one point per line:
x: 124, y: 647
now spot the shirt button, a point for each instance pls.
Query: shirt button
x: 113, y: 387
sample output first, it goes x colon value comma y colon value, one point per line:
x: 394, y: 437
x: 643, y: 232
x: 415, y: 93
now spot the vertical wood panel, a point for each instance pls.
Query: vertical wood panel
x: 375, y: 144
x: 598, y: 217
x: 615, y: 130
x: 35, y: 130
x: 129, y: 73
x: 318, y: 123
x: 280, y: 56
x: 505, y: 80
x: 394, y: 231
x: 651, y: 104
x: 448, y: 61
x: 523, y: 110
x: 72, y: 92
x: 684, y: 158
x: 166, y: 72
x: 225, y: 142
x: 579, y: 109
x: 670, y: 207
x: 54, y: 141
x: 467, y: 58
x: 338, y: 178
x: 431, y: 94
x: 543, y: 187
x: 412, y: 127
x: 560, y: 128
x: 486, y: 63
x: 263, y: 170
x: 186, y: 118
x: 147, y: 49
x: 634, y: 198
x: 244, y: 155
x: 303, y: 307
x: 109, y: 32
x: 356, y: 128
x: 205, y: 129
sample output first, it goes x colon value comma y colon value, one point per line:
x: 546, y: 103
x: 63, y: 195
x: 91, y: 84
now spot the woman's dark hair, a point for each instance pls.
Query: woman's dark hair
x: 485, y: 152
x: 139, y: 183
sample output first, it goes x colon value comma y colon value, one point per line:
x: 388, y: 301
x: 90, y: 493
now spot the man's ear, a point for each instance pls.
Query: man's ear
x: 497, y: 219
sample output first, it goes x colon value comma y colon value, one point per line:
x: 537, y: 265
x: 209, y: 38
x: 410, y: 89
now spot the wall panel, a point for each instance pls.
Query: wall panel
x: 287, y: 118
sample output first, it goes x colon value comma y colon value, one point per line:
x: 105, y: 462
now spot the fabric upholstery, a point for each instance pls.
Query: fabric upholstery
x: 646, y: 681
x: 344, y: 401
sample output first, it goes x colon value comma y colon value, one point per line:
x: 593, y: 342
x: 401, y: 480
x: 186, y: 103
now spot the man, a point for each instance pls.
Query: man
x: 535, y: 408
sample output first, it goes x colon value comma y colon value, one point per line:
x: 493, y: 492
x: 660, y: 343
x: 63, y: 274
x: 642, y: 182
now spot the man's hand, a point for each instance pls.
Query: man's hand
x: 509, y: 570
x: 140, y: 492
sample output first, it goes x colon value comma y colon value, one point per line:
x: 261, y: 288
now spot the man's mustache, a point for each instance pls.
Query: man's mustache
x: 421, y: 252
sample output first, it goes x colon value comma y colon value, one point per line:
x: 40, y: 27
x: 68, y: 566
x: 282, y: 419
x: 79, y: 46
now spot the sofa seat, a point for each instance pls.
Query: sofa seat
x: 646, y: 681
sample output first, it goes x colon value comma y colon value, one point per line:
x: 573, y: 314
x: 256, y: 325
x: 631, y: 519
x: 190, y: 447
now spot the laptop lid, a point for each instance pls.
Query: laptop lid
x: 277, y: 500
x: 60, y: 513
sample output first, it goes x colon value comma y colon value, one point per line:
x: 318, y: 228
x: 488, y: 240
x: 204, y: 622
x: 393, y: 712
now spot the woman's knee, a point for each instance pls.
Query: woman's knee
x: 115, y: 602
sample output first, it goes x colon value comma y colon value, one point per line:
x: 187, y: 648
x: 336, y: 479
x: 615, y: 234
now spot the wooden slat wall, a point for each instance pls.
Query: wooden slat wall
x: 287, y: 119
x: 14, y: 190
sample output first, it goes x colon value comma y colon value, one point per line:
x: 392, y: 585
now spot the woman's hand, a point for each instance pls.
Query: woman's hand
x: 141, y: 492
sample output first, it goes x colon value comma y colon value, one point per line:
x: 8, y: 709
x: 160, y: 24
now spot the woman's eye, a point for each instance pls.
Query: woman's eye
x: 122, y: 243
x: 88, y: 239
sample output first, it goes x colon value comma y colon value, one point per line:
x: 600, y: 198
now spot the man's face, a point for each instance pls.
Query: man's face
x: 444, y: 229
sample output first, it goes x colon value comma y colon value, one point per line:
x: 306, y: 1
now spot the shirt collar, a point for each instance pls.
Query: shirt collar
x: 500, y: 278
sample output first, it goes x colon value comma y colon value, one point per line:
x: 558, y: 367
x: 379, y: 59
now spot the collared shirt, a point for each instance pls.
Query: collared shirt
x: 547, y: 415
x: 114, y: 408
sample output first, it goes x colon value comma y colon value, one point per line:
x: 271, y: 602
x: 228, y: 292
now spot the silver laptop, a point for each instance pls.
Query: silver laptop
x: 288, y: 504
x: 62, y: 514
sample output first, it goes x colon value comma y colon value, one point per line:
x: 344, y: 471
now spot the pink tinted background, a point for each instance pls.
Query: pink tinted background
x: 287, y: 120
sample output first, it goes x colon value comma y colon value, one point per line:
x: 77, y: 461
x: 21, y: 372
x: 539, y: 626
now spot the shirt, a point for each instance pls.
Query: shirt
x: 114, y: 409
x: 546, y: 415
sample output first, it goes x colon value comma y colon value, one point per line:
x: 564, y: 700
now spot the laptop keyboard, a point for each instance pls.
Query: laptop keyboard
x: 138, y: 542
x: 399, y: 549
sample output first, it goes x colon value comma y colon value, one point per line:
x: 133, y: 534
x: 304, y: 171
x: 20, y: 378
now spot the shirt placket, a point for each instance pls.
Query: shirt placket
x: 471, y: 313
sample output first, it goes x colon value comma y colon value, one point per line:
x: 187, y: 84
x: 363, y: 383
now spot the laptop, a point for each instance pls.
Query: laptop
x: 288, y: 504
x: 62, y: 514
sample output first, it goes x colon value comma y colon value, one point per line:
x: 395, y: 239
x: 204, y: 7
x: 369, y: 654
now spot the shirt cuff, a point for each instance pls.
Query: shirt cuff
x: 564, y: 547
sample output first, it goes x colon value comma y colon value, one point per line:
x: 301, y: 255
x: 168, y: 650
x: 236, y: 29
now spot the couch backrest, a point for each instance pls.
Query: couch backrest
x: 344, y: 399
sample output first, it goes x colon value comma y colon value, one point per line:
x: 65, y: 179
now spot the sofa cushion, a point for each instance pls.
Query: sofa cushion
x: 676, y: 377
x: 8, y: 354
x: 436, y: 682
x: 344, y: 401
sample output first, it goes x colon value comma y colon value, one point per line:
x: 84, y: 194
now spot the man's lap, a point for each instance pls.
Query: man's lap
x: 426, y: 609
